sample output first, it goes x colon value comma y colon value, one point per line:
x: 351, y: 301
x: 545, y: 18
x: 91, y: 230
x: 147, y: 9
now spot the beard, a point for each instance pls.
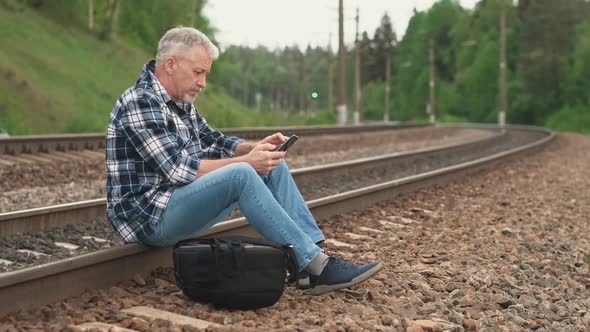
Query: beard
x: 189, y: 100
x: 190, y: 97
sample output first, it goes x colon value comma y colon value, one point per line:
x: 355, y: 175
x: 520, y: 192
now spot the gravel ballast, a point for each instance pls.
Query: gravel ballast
x: 505, y: 250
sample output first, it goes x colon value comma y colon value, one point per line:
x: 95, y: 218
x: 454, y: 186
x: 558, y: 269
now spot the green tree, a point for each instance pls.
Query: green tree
x: 575, y: 88
x: 411, y: 69
x: 475, y: 39
x: 547, y: 34
x: 380, y: 48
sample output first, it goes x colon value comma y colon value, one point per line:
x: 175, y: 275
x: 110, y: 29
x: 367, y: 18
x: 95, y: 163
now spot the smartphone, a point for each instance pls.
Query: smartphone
x: 290, y: 141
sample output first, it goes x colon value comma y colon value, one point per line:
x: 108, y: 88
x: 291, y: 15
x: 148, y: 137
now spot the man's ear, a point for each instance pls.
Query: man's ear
x: 170, y: 65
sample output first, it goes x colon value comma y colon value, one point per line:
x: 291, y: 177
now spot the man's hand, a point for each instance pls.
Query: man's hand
x: 263, y: 157
x: 277, y: 139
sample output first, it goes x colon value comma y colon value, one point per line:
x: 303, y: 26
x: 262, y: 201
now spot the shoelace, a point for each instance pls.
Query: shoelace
x: 341, y: 264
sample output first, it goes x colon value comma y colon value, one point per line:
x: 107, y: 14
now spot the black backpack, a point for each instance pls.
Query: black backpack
x: 233, y: 272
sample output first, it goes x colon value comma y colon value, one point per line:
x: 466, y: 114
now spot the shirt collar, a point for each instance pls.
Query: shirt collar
x: 148, y: 79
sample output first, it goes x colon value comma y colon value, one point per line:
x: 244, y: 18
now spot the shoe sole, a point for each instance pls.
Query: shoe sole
x: 319, y: 290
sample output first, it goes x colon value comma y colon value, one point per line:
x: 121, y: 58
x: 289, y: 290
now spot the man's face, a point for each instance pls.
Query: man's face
x: 190, y: 76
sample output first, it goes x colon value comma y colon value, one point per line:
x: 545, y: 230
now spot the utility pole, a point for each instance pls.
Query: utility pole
x: 246, y: 84
x: 330, y: 77
x: 342, y: 111
x: 301, y: 82
x: 357, y: 73
x: 431, y: 106
x: 502, y: 76
x: 387, y: 87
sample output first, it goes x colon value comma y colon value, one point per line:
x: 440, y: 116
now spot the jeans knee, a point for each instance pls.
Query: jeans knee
x: 243, y: 169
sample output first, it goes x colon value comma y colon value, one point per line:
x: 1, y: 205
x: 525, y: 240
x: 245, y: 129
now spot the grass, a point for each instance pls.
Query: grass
x: 58, y: 79
x: 448, y: 118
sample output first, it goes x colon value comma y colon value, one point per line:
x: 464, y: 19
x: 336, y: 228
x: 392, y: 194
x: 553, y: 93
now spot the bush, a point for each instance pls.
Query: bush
x: 576, y: 119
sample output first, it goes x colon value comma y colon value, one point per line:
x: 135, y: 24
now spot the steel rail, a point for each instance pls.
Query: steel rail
x: 39, y: 285
x: 40, y: 219
x: 15, y: 145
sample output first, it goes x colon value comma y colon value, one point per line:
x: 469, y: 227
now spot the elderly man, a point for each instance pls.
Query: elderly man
x: 171, y: 176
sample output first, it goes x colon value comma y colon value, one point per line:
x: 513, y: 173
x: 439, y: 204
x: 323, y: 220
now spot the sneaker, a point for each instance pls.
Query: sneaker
x: 339, y: 274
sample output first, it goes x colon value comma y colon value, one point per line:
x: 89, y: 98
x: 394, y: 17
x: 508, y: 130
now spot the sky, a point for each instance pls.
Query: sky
x: 278, y: 23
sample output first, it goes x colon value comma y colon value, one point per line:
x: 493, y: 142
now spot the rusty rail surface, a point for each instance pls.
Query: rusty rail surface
x: 15, y: 145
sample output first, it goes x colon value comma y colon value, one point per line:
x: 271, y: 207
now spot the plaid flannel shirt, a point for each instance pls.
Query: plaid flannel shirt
x: 153, y: 145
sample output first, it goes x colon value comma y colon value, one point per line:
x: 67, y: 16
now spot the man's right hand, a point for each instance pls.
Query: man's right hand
x: 263, y: 158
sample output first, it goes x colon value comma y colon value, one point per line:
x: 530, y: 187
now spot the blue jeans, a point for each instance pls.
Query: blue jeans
x: 271, y: 203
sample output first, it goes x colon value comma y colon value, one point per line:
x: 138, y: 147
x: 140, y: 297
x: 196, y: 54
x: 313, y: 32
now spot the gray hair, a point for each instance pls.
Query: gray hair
x: 182, y: 38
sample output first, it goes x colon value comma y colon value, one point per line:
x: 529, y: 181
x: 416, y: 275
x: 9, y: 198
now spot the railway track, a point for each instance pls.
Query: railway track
x: 41, y: 219
x: 46, y: 283
x: 34, y: 144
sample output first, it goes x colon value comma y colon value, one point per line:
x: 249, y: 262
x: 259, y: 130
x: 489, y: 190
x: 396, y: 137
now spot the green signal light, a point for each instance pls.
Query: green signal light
x: 314, y: 95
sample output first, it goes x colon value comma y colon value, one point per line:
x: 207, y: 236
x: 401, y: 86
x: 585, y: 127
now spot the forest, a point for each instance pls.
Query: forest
x: 547, y: 50
x: 548, y: 66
